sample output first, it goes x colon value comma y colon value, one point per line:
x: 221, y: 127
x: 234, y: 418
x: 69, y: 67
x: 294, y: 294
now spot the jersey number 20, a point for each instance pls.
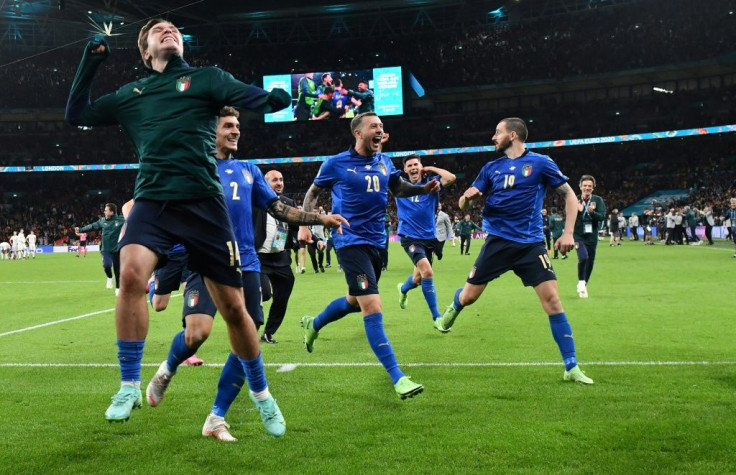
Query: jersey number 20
x: 374, y: 184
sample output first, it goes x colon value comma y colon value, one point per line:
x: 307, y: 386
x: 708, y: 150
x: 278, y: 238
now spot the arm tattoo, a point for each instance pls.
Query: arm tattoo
x: 564, y: 189
x: 310, y: 199
x: 404, y: 189
x: 291, y: 215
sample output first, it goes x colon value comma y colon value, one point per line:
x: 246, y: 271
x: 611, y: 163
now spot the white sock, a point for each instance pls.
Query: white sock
x: 261, y: 395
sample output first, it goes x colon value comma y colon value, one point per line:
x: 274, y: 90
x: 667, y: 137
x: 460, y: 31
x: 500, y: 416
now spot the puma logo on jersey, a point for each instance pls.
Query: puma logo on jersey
x: 352, y: 170
x: 139, y: 91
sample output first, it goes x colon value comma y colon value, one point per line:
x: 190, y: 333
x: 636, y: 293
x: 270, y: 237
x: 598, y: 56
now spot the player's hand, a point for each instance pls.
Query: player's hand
x: 98, y: 47
x: 333, y: 221
x: 580, y: 205
x: 432, y: 186
x: 324, y: 97
x: 305, y: 235
x: 472, y: 193
x: 565, y: 243
x: 429, y: 170
x: 76, y: 229
x: 384, y: 137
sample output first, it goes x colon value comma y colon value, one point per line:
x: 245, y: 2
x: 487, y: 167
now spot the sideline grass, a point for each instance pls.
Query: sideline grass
x: 495, y: 399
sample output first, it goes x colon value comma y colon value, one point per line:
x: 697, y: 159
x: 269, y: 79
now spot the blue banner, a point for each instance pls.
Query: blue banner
x: 669, y: 134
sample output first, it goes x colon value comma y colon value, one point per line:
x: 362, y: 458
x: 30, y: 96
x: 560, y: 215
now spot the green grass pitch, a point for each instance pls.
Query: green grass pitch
x: 657, y: 335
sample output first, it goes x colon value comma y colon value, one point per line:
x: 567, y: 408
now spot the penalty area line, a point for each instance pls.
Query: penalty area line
x: 64, y: 320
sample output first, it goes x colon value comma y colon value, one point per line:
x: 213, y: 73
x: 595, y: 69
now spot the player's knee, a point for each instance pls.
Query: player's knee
x: 552, y: 304
x: 195, y: 337
x: 234, y: 313
x: 371, y: 307
x: 159, y: 306
x: 466, y: 298
x: 132, y: 280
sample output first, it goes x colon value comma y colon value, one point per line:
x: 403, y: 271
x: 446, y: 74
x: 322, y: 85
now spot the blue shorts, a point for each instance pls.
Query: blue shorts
x: 198, y: 300
x: 362, y: 267
x: 172, y: 274
x: 529, y: 261
x: 202, y: 226
x: 418, y: 249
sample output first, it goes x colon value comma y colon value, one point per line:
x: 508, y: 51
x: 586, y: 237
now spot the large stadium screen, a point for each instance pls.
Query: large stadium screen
x: 344, y: 100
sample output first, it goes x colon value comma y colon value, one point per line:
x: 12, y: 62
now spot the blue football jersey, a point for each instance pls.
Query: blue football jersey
x: 339, y: 101
x: 359, y: 188
x: 416, y: 214
x: 244, y: 187
x: 514, y: 190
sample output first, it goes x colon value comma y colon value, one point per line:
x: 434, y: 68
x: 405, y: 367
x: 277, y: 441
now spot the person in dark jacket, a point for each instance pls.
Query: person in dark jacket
x: 274, y: 240
x: 110, y: 225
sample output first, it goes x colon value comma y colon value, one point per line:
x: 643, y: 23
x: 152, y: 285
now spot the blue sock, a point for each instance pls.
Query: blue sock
x: 151, y: 290
x: 409, y: 284
x: 562, y: 332
x: 334, y: 311
x: 231, y: 381
x: 381, y: 346
x: 255, y: 372
x: 130, y: 353
x: 456, y: 300
x: 178, y: 352
x: 430, y: 295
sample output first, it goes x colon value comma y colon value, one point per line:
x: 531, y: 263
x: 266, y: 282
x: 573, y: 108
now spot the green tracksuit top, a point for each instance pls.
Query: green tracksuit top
x: 595, y: 218
x: 556, y: 225
x: 110, y: 231
x: 171, y: 118
x: 465, y: 228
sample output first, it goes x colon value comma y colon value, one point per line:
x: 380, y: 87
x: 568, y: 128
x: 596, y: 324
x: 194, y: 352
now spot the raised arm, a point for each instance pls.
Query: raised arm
x: 229, y: 91
x: 446, y: 178
x: 566, y: 242
x: 90, y: 227
x: 301, y: 217
x: 469, y: 195
x: 79, y: 107
x: 404, y: 189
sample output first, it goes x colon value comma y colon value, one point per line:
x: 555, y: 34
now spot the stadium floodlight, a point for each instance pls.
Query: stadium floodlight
x: 662, y: 90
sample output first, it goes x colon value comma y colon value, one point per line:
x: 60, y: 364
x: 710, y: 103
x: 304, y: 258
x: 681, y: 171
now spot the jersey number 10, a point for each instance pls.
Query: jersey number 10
x: 508, y: 181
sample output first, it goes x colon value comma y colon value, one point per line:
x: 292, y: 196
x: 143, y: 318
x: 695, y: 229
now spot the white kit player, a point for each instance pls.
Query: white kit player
x: 21, y: 240
x: 31, y: 240
x: 14, y: 245
x: 4, y: 251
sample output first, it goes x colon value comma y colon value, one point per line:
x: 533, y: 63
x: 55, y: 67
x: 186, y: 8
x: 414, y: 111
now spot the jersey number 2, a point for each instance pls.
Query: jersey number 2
x: 234, y: 186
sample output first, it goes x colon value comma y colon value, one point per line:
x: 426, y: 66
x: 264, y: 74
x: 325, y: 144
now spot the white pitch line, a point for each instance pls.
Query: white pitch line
x: 56, y: 322
x: 35, y: 327
x: 51, y: 282
x: 353, y: 365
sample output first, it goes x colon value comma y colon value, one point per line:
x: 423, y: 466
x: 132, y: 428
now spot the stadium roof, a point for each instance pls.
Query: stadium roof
x: 42, y: 23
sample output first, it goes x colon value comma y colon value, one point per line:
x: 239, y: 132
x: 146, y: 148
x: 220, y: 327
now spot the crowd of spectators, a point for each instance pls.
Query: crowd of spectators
x: 641, y: 34
x: 56, y: 143
x: 636, y: 35
x: 53, y: 203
